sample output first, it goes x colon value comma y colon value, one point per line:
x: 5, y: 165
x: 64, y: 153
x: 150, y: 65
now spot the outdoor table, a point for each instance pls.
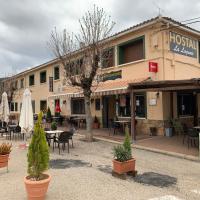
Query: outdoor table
x: 123, y: 123
x: 55, y: 132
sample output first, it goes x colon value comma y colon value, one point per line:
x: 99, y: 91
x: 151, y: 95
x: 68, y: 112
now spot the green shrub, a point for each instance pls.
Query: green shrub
x: 38, y: 152
x: 53, y: 126
x: 5, y: 148
x: 123, y: 152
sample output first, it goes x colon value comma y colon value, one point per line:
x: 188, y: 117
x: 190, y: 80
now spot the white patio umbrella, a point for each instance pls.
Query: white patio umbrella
x: 4, y: 108
x: 26, y: 116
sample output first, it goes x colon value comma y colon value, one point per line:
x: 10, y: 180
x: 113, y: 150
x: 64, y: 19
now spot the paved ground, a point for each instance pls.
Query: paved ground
x: 85, y: 174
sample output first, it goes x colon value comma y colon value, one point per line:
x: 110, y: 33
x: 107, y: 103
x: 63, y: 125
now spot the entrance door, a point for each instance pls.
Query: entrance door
x: 109, y: 110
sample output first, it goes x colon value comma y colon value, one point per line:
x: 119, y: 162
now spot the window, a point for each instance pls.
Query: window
x: 107, y: 58
x: 16, y: 106
x: 131, y: 51
x: 56, y: 73
x: 140, y: 105
x: 43, y: 106
x: 12, y: 106
x: 33, y: 105
x: 16, y: 85
x: 185, y: 104
x: 31, y: 80
x: 77, y: 106
x: 97, y: 104
x: 43, y: 77
x: 123, y: 103
x: 22, y: 83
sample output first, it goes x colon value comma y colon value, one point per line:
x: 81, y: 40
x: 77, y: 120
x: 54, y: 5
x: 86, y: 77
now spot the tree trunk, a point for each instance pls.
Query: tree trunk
x: 89, y: 134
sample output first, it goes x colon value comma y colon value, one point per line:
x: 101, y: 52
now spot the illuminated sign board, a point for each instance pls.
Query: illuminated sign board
x: 183, y: 45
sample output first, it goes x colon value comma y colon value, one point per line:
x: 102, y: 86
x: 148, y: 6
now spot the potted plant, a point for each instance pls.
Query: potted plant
x: 53, y: 126
x: 96, y: 122
x: 123, y: 161
x: 48, y: 115
x: 5, y: 150
x: 168, y: 128
x: 37, y: 182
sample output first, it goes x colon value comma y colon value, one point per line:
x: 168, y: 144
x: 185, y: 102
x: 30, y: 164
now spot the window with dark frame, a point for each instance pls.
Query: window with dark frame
x: 43, y: 77
x: 131, y: 51
x: 97, y: 104
x: 33, y: 106
x: 140, y: 105
x: 107, y: 58
x: 56, y: 73
x: 31, y: 80
x: 77, y: 106
x: 22, y: 83
x: 124, y: 105
x: 185, y: 104
x: 12, y: 106
x: 16, y: 106
x: 43, y: 106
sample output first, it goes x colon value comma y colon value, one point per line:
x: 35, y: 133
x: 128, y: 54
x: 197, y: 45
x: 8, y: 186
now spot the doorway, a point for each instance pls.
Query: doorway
x: 109, y: 110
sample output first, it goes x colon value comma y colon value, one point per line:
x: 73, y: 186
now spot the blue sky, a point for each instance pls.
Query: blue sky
x: 25, y: 25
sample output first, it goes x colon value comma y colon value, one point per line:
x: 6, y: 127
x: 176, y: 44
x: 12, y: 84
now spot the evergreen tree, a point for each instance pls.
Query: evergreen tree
x: 38, y: 152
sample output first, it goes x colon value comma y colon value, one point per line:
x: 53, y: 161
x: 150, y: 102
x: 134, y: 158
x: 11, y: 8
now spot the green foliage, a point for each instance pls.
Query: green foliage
x: 123, y: 152
x: 38, y: 152
x: 5, y: 148
x: 48, y: 113
x: 53, y: 126
x: 127, y: 145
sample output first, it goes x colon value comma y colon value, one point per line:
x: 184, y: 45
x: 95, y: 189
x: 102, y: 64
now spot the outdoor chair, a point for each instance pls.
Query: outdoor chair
x: 192, y: 137
x: 49, y: 137
x: 17, y: 134
x: 62, y: 140
x: 70, y: 134
x: 185, y: 132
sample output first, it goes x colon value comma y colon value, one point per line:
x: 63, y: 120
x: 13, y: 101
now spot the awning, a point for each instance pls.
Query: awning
x: 111, y: 87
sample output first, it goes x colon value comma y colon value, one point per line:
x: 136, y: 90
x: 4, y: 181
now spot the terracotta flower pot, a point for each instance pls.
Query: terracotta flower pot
x: 95, y: 125
x: 4, y: 160
x: 36, y: 190
x: 123, y: 167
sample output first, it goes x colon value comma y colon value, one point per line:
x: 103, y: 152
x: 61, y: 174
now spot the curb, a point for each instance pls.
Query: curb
x: 168, y: 153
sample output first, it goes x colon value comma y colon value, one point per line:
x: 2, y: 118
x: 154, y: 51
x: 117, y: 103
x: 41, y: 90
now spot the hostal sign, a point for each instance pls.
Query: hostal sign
x: 183, y: 45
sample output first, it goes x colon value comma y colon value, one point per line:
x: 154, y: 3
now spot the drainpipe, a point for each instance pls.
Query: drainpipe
x: 163, y: 53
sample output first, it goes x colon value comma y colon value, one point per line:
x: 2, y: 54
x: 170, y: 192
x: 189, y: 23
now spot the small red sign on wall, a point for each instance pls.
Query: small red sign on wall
x: 153, y: 67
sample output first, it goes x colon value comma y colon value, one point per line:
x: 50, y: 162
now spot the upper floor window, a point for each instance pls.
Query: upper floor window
x: 56, y: 73
x: 131, y: 51
x: 107, y: 58
x: 22, y: 83
x: 31, y: 80
x: 43, y: 77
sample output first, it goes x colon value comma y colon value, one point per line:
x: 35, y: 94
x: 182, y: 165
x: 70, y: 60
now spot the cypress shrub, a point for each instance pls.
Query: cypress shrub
x: 38, y: 152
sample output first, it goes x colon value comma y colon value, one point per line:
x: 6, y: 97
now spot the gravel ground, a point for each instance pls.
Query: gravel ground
x: 85, y: 174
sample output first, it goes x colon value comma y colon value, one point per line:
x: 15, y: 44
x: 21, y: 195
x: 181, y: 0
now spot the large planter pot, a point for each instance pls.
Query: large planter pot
x: 95, y: 125
x: 124, y: 167
x: 36, y: 190
x: 4, y: 160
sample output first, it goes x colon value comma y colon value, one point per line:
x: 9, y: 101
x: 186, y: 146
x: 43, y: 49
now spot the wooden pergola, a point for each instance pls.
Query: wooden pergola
x: 166, y: 86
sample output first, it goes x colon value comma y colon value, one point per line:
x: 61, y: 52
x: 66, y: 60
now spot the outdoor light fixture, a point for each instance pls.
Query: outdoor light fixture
x: 157, y: 94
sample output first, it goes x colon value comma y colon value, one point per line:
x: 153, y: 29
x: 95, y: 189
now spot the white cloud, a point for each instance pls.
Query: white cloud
x: 25, y: 25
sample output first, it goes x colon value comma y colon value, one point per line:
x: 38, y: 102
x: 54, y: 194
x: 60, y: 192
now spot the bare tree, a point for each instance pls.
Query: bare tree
x: 81, y: 53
